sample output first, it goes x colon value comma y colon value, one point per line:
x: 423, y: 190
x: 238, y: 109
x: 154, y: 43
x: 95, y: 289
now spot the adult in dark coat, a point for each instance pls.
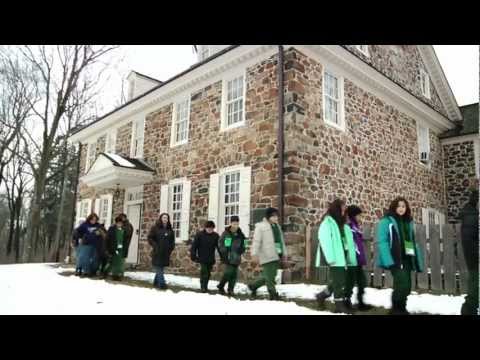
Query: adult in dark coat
x: 469, y: 233
x: 88, y: 235
x: 162, y: 240
x: 128, y: 231
x: 203, y: 252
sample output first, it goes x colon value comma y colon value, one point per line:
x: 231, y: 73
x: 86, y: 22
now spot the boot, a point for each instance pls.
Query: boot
x: 362, y: 306
x: 321, y: 297
x: 340, y: 307
x: 253, y: 292
x: 221, y: 287
x: 203, y: 286
x: 403, y: 308
x: 396, y: 308
x: 348, y: 304
x: 230, y: 293
x: 274, y: 296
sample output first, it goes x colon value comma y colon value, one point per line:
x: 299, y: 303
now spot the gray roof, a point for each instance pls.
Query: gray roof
x: 468, y: 126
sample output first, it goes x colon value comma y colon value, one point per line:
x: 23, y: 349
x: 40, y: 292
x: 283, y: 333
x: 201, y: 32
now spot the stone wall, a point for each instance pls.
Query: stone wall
x: 401, y: 63
x: 373, y: 161
x: 209, y: 150
x: 459, y: 174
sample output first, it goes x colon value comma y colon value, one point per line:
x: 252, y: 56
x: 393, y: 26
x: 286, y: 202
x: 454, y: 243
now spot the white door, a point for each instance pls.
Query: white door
x: 133, y: 214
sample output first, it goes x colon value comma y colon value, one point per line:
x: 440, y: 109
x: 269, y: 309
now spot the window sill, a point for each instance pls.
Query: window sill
x: 333, y: 125
x: 178, y: 144
x: 234, y: 126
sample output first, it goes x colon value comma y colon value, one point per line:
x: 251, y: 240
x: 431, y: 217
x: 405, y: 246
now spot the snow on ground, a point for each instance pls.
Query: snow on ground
x: 39, y: 289
x: 417, y: 303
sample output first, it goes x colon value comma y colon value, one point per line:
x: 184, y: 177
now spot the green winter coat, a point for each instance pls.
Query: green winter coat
x: 330, y: 242
x: 389, y: 245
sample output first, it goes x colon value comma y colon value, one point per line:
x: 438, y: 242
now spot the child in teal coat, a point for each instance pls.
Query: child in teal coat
x: 398, y: 251
x: 335, y: 240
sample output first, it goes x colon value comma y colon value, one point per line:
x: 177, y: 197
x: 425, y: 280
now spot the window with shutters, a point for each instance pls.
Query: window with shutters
x: 333, y: 103
x: 91, y: 155
x: 111, y: 140
x: 180, y: 123
x: 105, y: 210
x: 363, y: 49
x: 176, y: 196
x: 425, y: 83
x: 423, y: 144
x: 231, y: 196
x: 137, y: 138
x: 233, y: 110
x: 85, y: 209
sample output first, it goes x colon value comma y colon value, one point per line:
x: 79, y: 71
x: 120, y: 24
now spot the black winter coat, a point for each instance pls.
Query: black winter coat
x: 232, y: 254
x: 162, y: 241
x: 203, y: 247
x: 469, y: 230
x: 111, y: 241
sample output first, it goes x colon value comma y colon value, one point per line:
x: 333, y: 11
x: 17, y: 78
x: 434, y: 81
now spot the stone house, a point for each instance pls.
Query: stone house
x: 461, y: 148
x: 361, y: 122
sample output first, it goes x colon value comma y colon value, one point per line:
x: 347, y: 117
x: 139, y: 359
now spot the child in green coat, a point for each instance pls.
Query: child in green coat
x: 398, y: 251
x: 335, y: 240
x: 117, y: 248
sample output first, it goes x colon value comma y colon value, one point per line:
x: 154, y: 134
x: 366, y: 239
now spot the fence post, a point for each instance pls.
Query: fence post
x: 450, y: 269
x: 435, y: 264
x: 368, y: 238
x: 421, y: 237
x: 462, y: 265
x: 308, y: 252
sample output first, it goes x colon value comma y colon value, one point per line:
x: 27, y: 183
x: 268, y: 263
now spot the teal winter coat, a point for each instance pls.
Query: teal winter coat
x: 330, y: 243
x: 389, y: 247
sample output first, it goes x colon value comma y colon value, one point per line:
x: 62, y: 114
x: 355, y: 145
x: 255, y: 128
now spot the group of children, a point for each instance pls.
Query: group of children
x: 340, y: 241
x: 100, y: 251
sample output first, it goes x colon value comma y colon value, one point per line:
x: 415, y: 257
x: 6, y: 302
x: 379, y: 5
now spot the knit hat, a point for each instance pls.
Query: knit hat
x: 353, y: 210
x: 270, y: 212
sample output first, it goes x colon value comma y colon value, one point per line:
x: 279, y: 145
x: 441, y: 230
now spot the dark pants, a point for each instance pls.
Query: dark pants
x: 356, y: 276
x: 229, y: 276
x: 159, y: 280
x: 341, y: 282
x: 470, y: 306
x: 104, y: 265
x: 269, y: 272
x: 402, y: 286
x: 205, y: 271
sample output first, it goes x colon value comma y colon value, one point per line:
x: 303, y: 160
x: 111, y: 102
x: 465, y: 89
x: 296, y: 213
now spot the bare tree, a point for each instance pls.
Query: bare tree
x: 63, y: 75
x: 18, y: 95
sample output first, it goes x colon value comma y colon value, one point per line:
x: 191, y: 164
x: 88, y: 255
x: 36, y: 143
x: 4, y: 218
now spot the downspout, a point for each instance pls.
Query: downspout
x: 74, y: 210
x: 280, y: 136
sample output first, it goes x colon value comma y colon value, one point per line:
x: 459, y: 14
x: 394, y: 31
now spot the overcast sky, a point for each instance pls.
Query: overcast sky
x: 459, y: 62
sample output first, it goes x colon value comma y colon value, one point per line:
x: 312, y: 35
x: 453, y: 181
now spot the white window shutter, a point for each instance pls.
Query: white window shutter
x: 164, y: 199
x: 213, y: 198
x: 108, y: 220
x: 89, y: 206
x: 185, y: 215
x: 244, y: 204
x: 97, y: 207
x: 77, y: 213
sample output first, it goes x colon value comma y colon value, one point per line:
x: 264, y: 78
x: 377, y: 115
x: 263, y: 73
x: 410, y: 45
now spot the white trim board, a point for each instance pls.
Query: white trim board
x: 460, y: 139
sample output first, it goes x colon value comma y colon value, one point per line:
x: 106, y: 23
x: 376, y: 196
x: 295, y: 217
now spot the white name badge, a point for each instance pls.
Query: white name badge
x: 120, y: 246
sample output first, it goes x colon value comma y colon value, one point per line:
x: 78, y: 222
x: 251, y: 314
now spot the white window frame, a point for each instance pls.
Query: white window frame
x: 111, y: 141
x: 425, y: 84
x: 222, y: 212
x: 108, y: 200
x: 166, y: 195
x: 81, y: 216
x: 341, y: 99
x: 171, y: 211
x: 216, y: 197
x: 173, y: 135
x: 422, y: 146
x: 363, y: 49
x: 88, y: 162
x: 438, y: 219
x: 224, y: 115
x: 139, y: 154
